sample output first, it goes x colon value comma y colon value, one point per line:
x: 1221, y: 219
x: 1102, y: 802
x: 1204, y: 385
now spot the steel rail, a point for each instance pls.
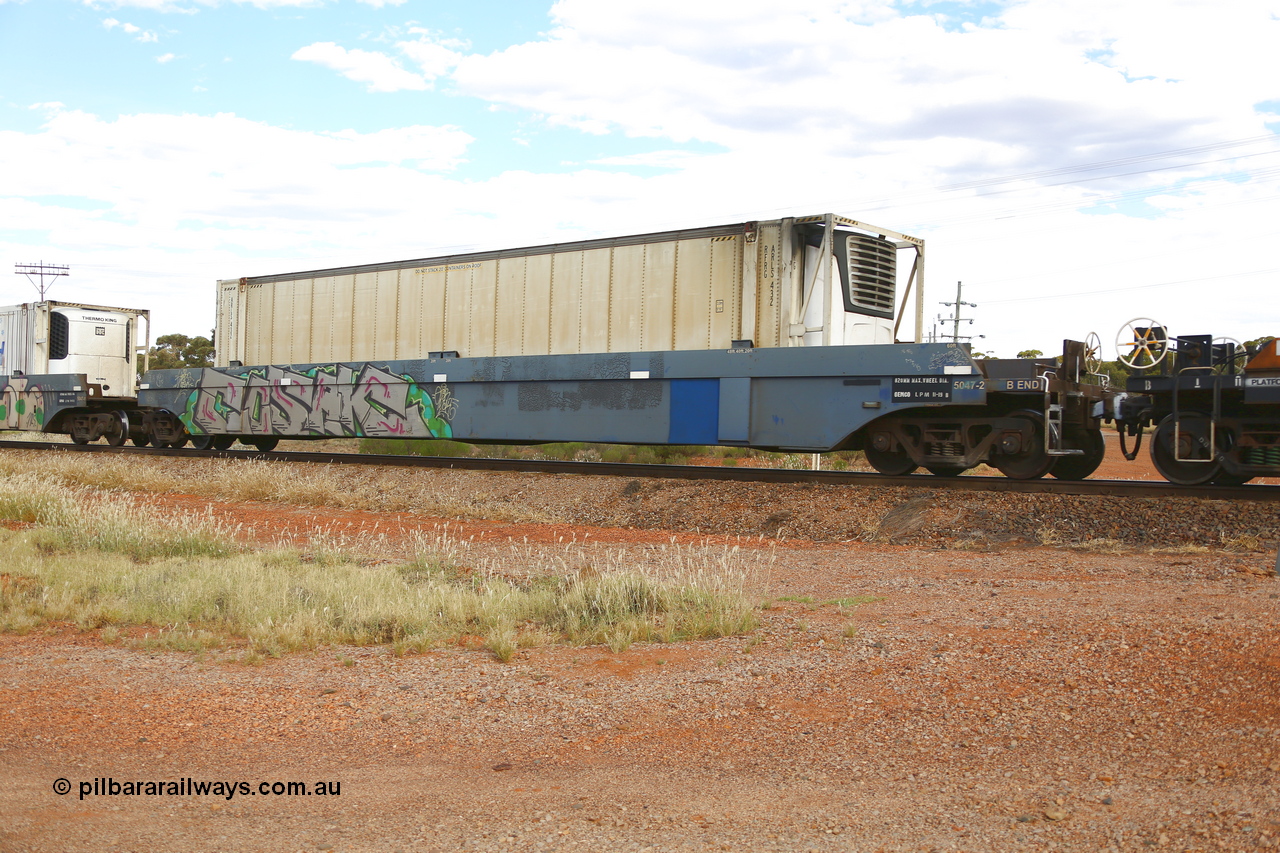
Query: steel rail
x: 1123, y: 488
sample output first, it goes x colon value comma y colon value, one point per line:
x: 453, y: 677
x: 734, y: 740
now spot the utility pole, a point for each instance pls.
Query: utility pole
x: 43, y: 270
x: 957, y: 319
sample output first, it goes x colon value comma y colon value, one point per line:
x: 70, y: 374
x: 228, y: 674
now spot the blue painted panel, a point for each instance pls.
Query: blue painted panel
x: 695, y: 405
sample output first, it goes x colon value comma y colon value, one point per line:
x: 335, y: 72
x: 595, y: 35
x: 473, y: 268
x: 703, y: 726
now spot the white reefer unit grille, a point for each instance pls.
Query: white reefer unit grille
x: 821, y: 280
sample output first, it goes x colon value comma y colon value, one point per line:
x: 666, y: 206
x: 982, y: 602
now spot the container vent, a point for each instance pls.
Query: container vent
x: 59, y: 336
x: 869, y: 266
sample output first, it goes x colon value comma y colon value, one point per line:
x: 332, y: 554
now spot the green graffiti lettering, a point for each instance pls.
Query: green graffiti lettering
x: 188, y: 416
x: 418, y: 399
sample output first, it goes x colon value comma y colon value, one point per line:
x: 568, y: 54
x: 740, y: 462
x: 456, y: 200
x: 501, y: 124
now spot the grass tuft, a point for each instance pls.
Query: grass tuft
x: 101, y: 562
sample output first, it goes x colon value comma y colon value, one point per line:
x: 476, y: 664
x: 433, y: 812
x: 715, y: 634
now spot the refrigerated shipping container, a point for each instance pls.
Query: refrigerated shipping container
x: 69, y: 338
x: 808, y: 281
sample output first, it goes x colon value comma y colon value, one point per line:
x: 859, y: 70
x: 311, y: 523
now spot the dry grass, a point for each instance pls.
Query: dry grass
x: 258, y: 480
x: 97, y: 560
x: 1103, y: 546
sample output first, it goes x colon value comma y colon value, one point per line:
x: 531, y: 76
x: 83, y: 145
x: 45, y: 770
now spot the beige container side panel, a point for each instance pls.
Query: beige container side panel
x: 323, y: 321
x: 431, y: 285
x: 364, y: 316
x: 484, y: 297
x: 693, y: 295
x: 386, y: 312
x: 566, y: 303
x: 509, y: 300
x: 280, y: 344
x: 250, y: 309
x: 726, y: 288
x: 226, y: 324
x: 769, y: 291
x: 302, y: 324
x: 257, y: 320
x: 343, y: 293
x: 596, y: 286
x: 409, y: 321
x: 536, y: 322
x: 457, y: 311
x: 626, y: 299
x: 659, y: 293
x: 279, y: 332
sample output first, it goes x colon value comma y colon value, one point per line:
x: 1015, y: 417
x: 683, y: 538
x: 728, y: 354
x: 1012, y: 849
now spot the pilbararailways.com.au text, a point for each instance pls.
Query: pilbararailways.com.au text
x: 188, y: 787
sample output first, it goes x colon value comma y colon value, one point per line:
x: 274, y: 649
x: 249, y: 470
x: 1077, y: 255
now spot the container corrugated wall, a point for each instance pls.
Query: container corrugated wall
x: 682, y: 294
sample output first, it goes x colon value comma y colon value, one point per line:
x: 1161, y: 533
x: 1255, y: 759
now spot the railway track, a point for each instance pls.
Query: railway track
x: 1128, y: 488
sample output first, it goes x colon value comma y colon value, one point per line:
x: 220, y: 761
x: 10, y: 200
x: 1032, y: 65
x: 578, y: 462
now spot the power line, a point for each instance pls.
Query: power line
x: 42, y: 270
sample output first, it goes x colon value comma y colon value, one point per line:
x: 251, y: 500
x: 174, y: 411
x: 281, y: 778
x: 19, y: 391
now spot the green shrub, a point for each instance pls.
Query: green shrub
x: 416, y: 447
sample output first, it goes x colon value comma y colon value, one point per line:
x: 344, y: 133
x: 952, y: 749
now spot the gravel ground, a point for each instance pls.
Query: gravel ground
x: 927, y: 675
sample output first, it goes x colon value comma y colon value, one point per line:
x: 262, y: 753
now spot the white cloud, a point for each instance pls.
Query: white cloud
x: 179, y: 6
x: 434, y: 57
x: 193, y: 6
x: 864, y: 77
x: 208, y: 190
x: 142, y: 35
x: 865, y: 108
x: 165, y: 58
x: 380, y: 72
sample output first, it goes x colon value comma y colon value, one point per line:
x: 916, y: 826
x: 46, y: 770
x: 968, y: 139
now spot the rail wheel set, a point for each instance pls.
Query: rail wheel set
x: 777, y: 335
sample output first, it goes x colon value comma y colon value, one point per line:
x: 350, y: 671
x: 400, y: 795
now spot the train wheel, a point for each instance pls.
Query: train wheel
x: 1182, y: 471
x: 1225, y: 479
x: 945, y: 470
x: 1030, y: 462
x: 180, y: 441
x: 118, y: 434
x: 141, y: 440
x: 202, y: 442
x: 223, y: 442
x: 264, y: 445
x: 1079, y: 467
x: 78, y: 438
x: 894, y: 463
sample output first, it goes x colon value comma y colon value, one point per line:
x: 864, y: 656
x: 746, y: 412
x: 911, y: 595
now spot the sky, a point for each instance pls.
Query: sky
x: 1076, y: 164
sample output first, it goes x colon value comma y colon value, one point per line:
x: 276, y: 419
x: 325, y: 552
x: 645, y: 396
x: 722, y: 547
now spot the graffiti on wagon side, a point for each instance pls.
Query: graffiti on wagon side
x: 331, y: 400
x: 22, y: 405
